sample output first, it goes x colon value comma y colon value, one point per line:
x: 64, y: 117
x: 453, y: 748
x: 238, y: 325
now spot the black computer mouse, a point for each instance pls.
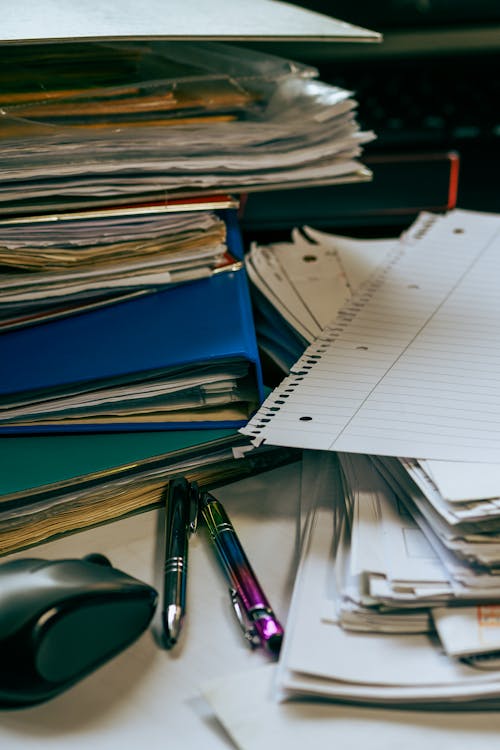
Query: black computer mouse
x: 61, y: 619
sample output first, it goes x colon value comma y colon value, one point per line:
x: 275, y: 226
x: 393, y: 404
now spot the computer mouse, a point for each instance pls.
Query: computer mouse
x: 61, y: 619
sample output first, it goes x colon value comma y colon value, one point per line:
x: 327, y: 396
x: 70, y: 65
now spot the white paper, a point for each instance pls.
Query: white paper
x: 465, y: 481
x: 411, y: 366
x: 390, y: 559
x: 244, y: 705
x: 354, y: 661
x: 470, y: 580
x: 209, y: 19
x: 268, y: 275
x: 320, y: 658
x: 358, y: 258
x: 483, y: 513
x: 307, y: 280
x: 466, y: 631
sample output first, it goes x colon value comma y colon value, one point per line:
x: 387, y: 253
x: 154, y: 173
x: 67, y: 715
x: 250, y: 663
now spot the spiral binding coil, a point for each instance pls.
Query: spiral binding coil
x: 423, y: 226
x: 315, y: 351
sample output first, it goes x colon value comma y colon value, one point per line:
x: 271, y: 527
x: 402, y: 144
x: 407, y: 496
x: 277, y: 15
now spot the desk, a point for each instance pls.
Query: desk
x: 148, y: 697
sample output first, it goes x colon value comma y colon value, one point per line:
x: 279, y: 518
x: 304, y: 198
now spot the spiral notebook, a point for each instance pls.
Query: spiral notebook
x: 411, y: 365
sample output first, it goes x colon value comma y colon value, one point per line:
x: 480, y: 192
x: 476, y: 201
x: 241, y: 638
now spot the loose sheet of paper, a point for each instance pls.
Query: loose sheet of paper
x: 466, y: 481
x: 411, y: 366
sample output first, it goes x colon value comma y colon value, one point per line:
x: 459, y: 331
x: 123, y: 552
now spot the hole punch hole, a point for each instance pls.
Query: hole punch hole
x: 305, y: 419
x: 362, y: 348
x: 309, y: 258
x: 458, y: 230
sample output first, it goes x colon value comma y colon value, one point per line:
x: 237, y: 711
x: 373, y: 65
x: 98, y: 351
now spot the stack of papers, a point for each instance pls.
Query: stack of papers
x: 176, y: 394
x: 118, y: 123
x: 403, y: 554
x: 57, y: 265
x: 299, y: 286
x: 164, y: 360
x: 464, y: 532
x: 321, y: 657
x: 401, y: 598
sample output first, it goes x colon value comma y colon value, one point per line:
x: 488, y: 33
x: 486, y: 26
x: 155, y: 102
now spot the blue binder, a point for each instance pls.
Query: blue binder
x: 202, y: 322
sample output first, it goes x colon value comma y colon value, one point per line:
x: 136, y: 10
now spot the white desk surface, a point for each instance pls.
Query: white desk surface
x: 146, y: 696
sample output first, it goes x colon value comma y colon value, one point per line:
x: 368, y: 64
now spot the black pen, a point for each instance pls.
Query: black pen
x: 257, y: 619
x: 181, y: 511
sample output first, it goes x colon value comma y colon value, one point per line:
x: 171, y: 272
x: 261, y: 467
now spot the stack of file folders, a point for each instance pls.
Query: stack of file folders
x: 97, y: 123
x: 54, y: 265
x: 124, y: 304
x: 105, y: 398
x: 171, y: 358
x: 53, y: 485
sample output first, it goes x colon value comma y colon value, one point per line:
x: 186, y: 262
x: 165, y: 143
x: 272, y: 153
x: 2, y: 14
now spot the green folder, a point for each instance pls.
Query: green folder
x: 27, y: 462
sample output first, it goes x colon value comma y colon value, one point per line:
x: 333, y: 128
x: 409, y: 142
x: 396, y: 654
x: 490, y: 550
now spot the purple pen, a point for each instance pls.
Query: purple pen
x: 258, y: 621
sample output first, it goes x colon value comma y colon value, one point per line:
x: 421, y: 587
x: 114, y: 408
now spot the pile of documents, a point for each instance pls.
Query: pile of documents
x: 457, y: 508
x: 118, y: 123
x: 57, y: 265
x: 397, y: 598
x: 411, y: 547
x: 166, y: 360
x: 358, y: 630
x: 299, y: 286
x: 55, y: 485
x: 124, y: 303
x: 114, y: 157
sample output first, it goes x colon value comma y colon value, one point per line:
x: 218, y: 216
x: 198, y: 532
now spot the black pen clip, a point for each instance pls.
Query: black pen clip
x: 249, y: 632
x: 194, y: 505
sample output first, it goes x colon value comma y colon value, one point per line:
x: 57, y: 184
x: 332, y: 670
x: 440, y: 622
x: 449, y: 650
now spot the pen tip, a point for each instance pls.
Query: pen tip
x: 172, y: 623
x: 274, y: 644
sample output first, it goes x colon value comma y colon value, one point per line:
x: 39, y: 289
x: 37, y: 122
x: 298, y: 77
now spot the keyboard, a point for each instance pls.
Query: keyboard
x: 423, y: 103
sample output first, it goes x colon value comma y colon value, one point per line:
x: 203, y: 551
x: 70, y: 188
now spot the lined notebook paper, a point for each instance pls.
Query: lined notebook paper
x: 411, y: 366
